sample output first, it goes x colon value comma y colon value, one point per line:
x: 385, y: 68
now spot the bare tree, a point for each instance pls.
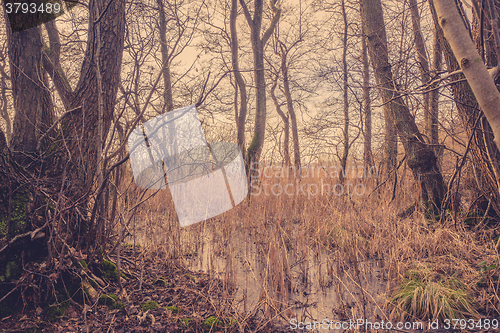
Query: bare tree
x: 240, y: 87
x: 258, y: 44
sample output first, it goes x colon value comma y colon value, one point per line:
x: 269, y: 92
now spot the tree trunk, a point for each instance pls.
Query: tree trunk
x: 480, y: 81
x: 345, y: 152
x: 289, y: 105
x: 483, y: 149
x: 367, y: 111
x: 165, y: 58
x: 258, y: 43
x: 241, y: 115
x: 286, y: 124
x: 420, y: 158
x: 32, y: 100
x: 433, y: 119
x: 424, y: 64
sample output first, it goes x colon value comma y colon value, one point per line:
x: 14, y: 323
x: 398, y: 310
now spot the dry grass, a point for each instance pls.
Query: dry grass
x: 349, y: 232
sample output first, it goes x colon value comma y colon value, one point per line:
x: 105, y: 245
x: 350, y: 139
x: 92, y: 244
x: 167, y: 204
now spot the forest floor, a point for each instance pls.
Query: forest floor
x: 169, y: 299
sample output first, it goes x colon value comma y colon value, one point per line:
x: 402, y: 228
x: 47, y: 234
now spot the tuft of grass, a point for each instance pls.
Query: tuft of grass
x: 173, y: 308
x: 212, y: 321
x: 446, y: 298
x: 150, y: 305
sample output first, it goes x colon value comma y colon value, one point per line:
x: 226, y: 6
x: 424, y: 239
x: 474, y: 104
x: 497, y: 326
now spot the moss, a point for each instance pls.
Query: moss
x: 55, y: 312
x: 18, y: 216
x: 252, y: 149
x: 11, y: 270
x: 212, y: 321
x: 83, y: 263
x: 151, y: 305
x: 185, y: 322
x: 109, y: 270
x: 111, y: 300
x: 117, y: 306
x: 173, y: 308
x: 108, y: 299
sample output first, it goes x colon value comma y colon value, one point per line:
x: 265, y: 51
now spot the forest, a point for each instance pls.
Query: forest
x: 249, y: 166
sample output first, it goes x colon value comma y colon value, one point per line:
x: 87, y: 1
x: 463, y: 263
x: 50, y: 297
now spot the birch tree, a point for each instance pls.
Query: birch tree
x: 471, y: 64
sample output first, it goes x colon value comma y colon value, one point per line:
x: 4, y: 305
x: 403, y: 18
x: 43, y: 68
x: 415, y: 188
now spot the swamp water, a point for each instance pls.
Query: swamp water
x: 287, y: 281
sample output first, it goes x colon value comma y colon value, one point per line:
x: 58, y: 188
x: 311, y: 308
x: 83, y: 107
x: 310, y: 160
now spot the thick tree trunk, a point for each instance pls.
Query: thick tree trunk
x: 420, y: 157
x: 32, y: 100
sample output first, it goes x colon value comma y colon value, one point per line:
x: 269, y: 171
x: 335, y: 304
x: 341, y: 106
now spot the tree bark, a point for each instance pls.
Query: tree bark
x: 420, y: 158
x: 32, y: 100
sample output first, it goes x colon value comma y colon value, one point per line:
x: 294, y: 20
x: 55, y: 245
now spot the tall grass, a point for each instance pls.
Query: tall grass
x: 355, y: 245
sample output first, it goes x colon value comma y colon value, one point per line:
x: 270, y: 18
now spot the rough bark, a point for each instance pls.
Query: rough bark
x: 420, y: 157
x: 258, y: 43
x: 32, y: 100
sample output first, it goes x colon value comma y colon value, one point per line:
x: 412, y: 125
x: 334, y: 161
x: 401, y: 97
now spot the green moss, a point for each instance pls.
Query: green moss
x: 83, y: 263
x: 151, y: 305
x: 117, y: 306
x: 185, y: 322
x: 109, y: 270
x: 212, y: 321
x: 11, y: 270
x: 108, y: 299
x: 174, y: 309
x: 18, y: 215
x: 55, y: 312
